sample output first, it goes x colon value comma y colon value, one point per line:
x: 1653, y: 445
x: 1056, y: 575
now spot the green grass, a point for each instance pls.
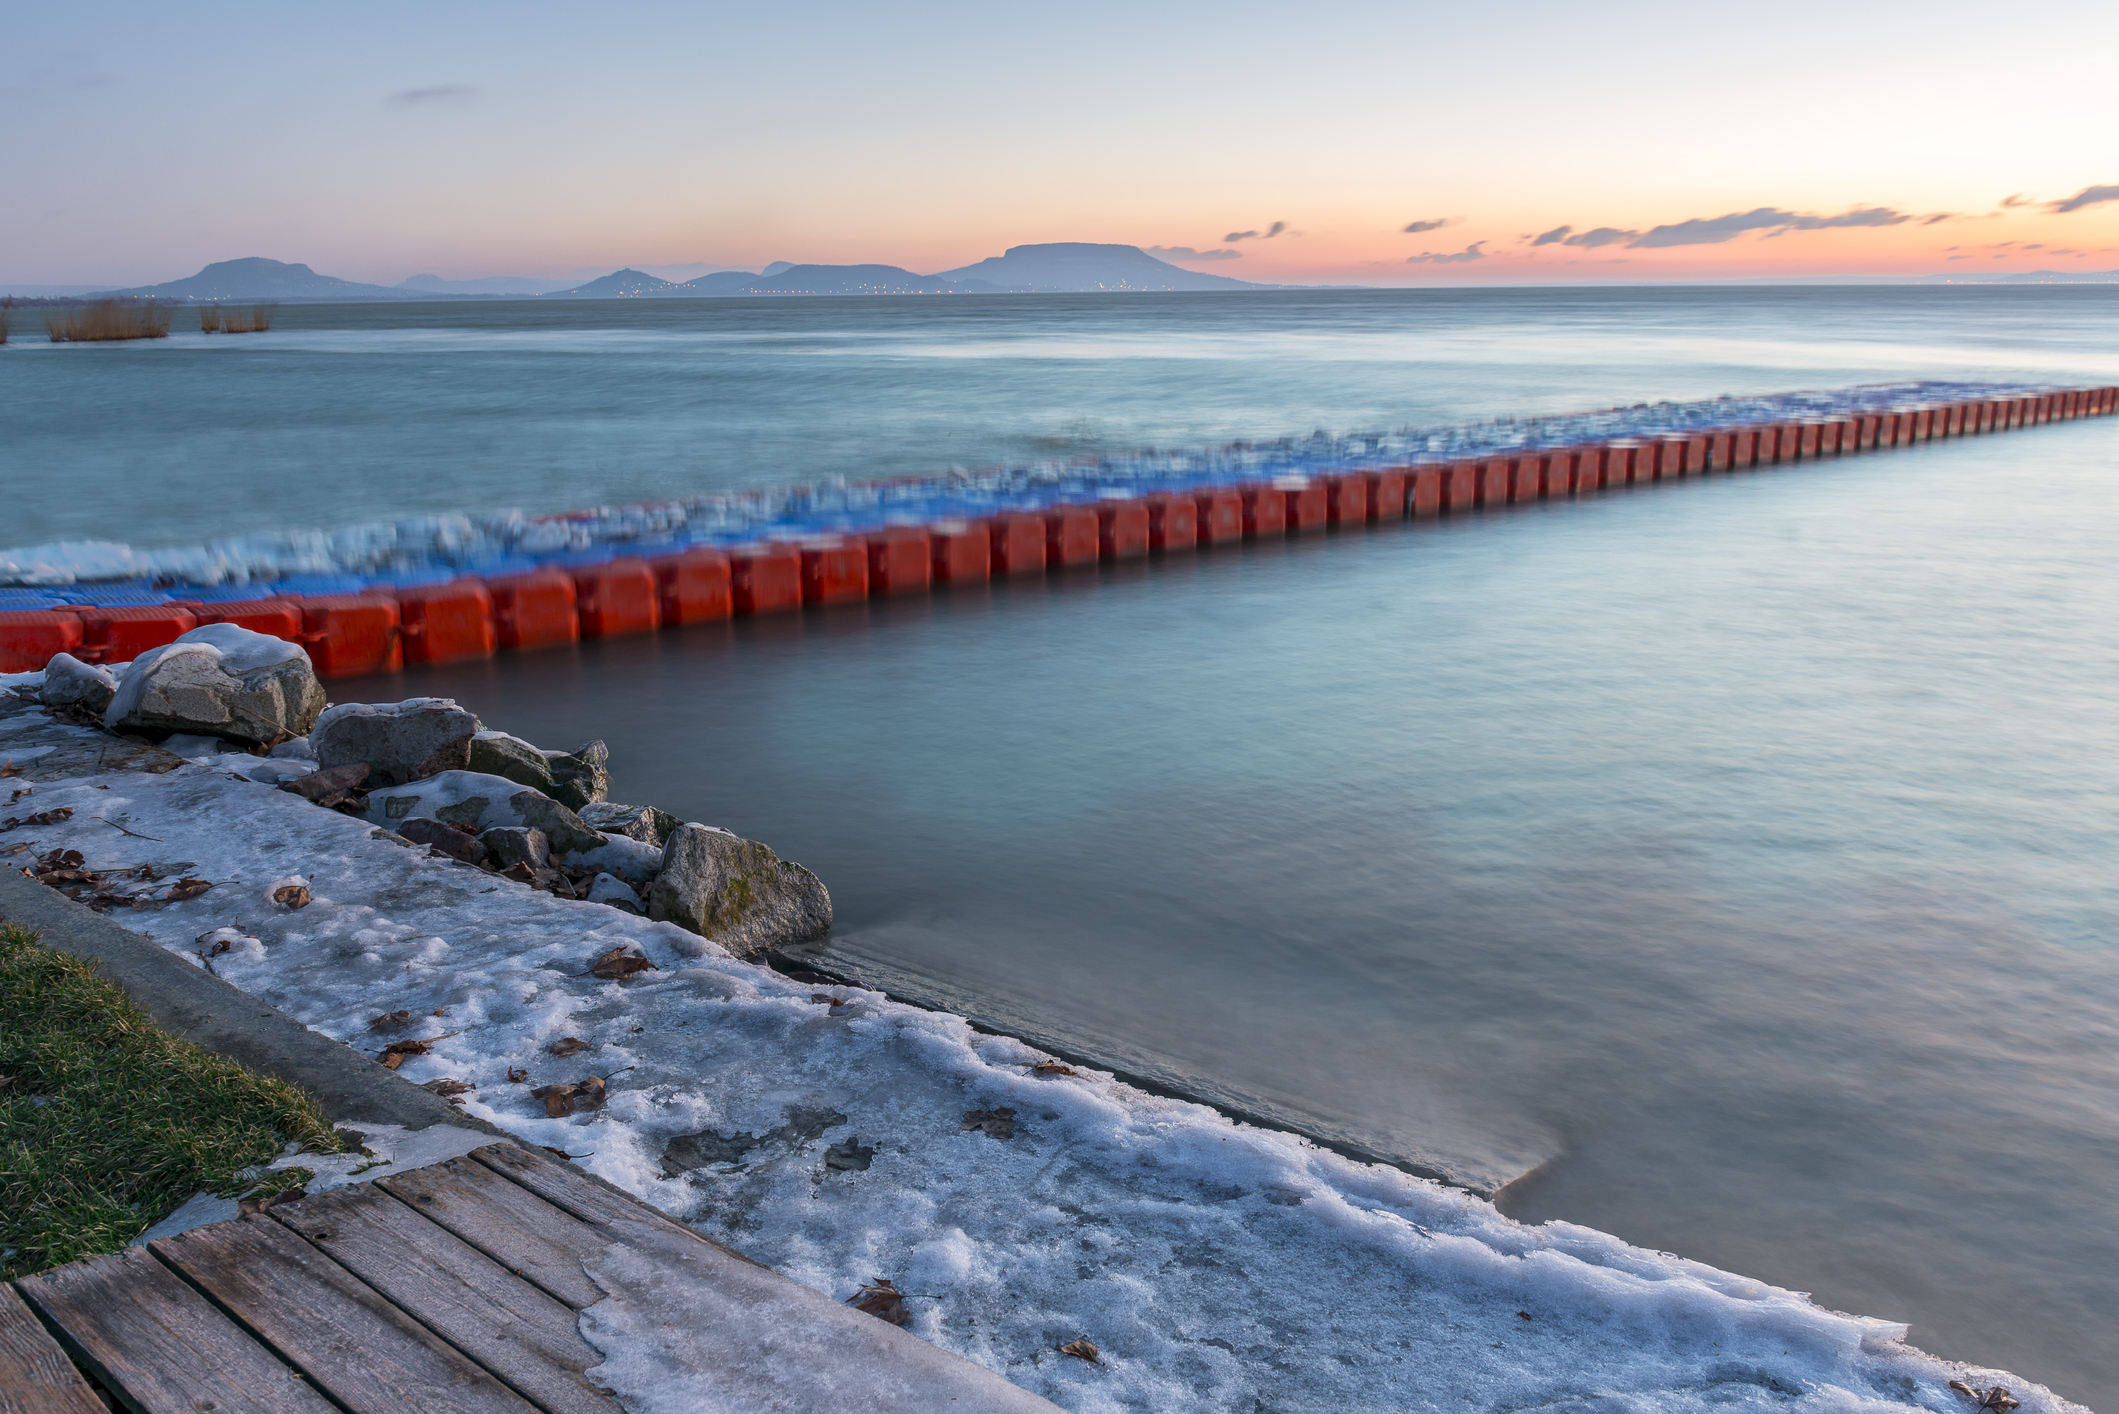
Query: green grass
x: 107, y: 1124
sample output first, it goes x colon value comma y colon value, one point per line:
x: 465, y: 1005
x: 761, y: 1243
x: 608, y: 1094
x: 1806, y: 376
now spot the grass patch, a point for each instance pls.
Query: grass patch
x: 107, y: 1124
x: 107, y: 321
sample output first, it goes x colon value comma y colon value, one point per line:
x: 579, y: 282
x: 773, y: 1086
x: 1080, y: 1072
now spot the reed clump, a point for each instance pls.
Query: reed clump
x: 107, y: 321
x: 5, y: 305
x: 219, y: 319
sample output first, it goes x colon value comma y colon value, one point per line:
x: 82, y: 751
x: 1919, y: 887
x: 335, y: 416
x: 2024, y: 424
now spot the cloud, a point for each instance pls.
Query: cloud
x: 2019, y: 199
x: 447, y: 93
x: 1714, y: 230
x: 2088, y: 196
x: 1602, y: 235
x: 1417, y: 227
x: 1557, y: 233
x: 1267, y: 234
x: 1939, y: 216
x: 1429, y: 257
x: 1184, y: 253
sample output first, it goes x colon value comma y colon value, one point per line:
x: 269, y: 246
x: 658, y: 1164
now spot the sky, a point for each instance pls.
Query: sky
x: 1325, y: 143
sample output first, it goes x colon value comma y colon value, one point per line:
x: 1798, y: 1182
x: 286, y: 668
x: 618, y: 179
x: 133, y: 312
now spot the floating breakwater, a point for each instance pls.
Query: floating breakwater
x: 446, y: 588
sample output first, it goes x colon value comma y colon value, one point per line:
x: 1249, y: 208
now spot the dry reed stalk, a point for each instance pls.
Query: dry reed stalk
x: 209, y: 318
x: 5, y: 305
x: 108, y: 321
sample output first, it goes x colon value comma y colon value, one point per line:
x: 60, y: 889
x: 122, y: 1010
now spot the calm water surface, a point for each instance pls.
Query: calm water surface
x: 1735, y: 857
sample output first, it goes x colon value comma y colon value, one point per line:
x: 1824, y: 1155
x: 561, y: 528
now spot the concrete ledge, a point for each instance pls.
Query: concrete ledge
x: 189, y: 1002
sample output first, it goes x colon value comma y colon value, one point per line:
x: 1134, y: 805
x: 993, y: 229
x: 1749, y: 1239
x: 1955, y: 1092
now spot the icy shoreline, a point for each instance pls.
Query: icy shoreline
x: 822, y: 1130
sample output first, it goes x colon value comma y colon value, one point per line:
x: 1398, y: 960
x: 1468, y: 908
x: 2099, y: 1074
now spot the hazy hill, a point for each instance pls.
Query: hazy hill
x: 256, y: 278
x: 851, y: 280
x: 620, y: 284
x: 1080, y: 266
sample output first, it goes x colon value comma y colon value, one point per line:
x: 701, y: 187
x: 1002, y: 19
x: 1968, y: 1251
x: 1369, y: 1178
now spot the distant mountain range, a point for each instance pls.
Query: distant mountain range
x: 1060, y: 267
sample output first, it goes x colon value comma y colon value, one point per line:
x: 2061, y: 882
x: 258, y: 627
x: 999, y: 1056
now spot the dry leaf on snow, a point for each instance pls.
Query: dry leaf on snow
x: 46, y: 817
x: 188, y: 888
x: 1082, y: 1350
x: 291, y: 895
x: 561, y: 1153
x: 558, y: 1099
x: 1000, y: 1123
x: 620, y: 963
x: 391, y: 1021
x: 882, y: 1300
x: 568, y: 1046
x: 449, y: 1089
x: 1052, y: 1067
x: 1999, y: 1398
x: 516, y: 1077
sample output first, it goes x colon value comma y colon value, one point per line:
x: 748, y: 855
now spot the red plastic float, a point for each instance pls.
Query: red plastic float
x: 1122, y: 529
x: 29, y: 638
x: 960, y: 552
x: 1387, y: 495
x: 900, y: 560
x: 765, y: 579
x: 834, y: 570
x: 534, y: 609
x: 1018, y: 541
x: 446, y: 623
x: 1173, y: 521
x: 1461, y: 491
x: 692, y: 587
x: 1347, y: 498
x: 616, y: 598
x: 1070, y: 536
x: 276, y: 618
x: 1621, y: 462
x: 1428, y: 484
x: 1265, y: 512
x: 1491, y: 491
x: 350, y: 635
x: 121, y: 635
x: 1308, y: 505
x: 1806, y: 440
x: 1220, y: 514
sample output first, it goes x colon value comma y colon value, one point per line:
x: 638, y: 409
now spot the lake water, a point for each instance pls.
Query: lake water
x: 1733, y: 857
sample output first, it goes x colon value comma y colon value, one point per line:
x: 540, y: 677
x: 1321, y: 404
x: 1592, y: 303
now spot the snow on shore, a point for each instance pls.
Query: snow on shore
x: 822, y: 1131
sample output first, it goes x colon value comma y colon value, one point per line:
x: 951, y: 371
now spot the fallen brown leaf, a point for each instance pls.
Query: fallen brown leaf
x: 882, y: 1300
x: 1999, y: 1398
x: 43, y: 817
x: 16, y: 848
x: 568, y: 1046
x: 248, y: 1206
x: 1052, y: 1067
x: 589, y: 1093
x: 1000, y: 1123
x: 558, y: 1100
x: 392, y: 1059
x: 1082, y: 1350
x: 391, y: 1021
x: 188, y: 888
x: 10, y: 769
x: 620, y: 963
x: 449, y: 1089
x: 516, y: 1077
x: 561, y: 1153
x: 291, y: 895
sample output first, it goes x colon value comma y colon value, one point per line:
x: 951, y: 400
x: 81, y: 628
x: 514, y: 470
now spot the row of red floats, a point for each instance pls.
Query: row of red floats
x: 382, y: 630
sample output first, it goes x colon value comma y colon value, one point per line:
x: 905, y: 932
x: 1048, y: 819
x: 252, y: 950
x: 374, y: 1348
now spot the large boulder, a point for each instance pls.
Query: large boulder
x: 737, y: 892
x: 628, y: 858
x: 498, y: 754
x: 581, y: 777
x: 401, y: 741
x: 481, y: 802
x: 221, y: 681
x: 69, y: 682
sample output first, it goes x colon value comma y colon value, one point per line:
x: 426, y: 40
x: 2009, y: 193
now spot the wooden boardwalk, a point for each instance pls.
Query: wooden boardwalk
x: 448, y: 1288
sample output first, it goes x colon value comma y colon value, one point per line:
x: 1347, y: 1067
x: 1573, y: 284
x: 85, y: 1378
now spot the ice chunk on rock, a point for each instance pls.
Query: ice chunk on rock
x: 630, y: 859
x: 69, y: 682
x: 481, y: 802
x: 221, y: 681
x: 401, y: 741
x: 498, y: 754
x: 737, y: 892
x: 615, y: 892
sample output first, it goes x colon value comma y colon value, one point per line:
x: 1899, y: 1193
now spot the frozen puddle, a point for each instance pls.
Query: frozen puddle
x: 1216, y: 1266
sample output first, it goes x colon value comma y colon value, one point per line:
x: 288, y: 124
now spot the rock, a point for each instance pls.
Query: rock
x: 737, y: 892
x: 581, y: 777
x: 446, y: 838
x: 481, y: 802
x: 638, y: 822
x: 402, y: 742
x: 511, y: 758
x: 69, y: 682
x: 615, y: 892
x: 294, y: 749
x: 221, y: 681
x: 191, y: 746
x: 630, y: 859
x: 330, y: 787
x: 508, y: 845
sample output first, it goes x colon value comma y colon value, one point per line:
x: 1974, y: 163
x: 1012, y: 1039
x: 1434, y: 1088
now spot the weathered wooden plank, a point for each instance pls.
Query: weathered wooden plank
x: 508, y: 1223
x: 364, y: 1352
x: 575, y: 1192
x: 35, y: 1375
x: 161, y: 1345
x: 507, y: 1325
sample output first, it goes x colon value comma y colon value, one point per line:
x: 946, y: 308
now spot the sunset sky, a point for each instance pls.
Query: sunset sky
x: 1536, y: 141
